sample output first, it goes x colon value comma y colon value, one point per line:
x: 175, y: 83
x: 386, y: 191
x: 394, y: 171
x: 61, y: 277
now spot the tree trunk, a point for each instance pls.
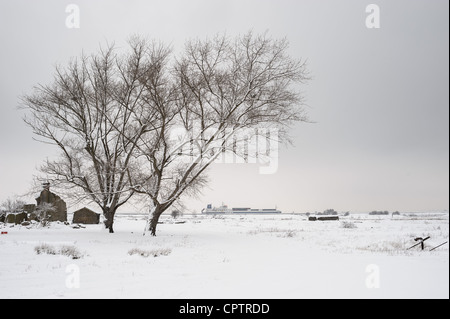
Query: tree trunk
x: 153, y: 224
x: 153, y: 220
x: 109, y: 215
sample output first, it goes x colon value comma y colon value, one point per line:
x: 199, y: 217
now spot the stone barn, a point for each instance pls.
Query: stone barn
x: 49, y: 204
x: 85, y: 216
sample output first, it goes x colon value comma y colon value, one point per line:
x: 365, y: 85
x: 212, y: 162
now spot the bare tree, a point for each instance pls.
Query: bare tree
x: 44, y: 213
x: 222, y: 88
x: 96, y: 112
x: 143, y: 124
x: 12, y: 205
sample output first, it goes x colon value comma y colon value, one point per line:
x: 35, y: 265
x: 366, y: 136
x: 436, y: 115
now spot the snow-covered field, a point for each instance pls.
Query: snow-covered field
x: 253, y: 256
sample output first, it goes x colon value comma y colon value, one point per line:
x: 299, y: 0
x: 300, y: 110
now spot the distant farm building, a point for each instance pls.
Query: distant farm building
x: 85, y: 216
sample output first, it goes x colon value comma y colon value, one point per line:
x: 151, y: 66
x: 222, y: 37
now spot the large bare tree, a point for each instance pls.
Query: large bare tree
x: 96, y: 111
x: 219, y: 90
x: 144, y: 123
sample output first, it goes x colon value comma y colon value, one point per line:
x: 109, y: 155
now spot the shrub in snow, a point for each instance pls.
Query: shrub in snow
x: 175, y: 213
x: 148, y: 253
x: 289, y: 233
x: 346, y: 224
x: 45, y: 249
x: 65, y: 250
x: 70, y: 251
x: 44, y: 213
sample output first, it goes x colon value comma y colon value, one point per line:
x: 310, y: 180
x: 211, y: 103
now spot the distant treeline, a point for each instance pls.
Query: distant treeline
x: 376, y: 212
x: 333, y: 212
x: 325, y: 212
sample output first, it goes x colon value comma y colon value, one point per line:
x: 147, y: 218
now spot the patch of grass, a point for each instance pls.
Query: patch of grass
x: 391, y: 247
x: 286, y: 233
x: 150, y: 253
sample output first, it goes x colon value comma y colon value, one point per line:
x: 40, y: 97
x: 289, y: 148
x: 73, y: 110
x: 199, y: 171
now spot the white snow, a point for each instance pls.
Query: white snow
x: 252, y: 256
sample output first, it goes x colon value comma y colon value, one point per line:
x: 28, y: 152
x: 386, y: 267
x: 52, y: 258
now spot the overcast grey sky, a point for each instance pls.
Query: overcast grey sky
x: 379, y: 97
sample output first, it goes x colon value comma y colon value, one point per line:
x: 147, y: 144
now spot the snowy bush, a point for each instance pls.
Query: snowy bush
x: 175, y: 213
x: 43, y: 213
x: 148, y: 253
x: 65, y: 250
x: 70, y: 251
x: 45, y: 249
x: 346, y: 224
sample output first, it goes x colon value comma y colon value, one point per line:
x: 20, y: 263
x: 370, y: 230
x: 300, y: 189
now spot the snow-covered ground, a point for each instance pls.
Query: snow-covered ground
x: 253, y: 256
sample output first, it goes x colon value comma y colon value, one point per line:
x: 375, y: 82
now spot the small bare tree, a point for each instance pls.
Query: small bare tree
x: 96, y: 112
x: 12, y: 205
x: 44, y: 213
